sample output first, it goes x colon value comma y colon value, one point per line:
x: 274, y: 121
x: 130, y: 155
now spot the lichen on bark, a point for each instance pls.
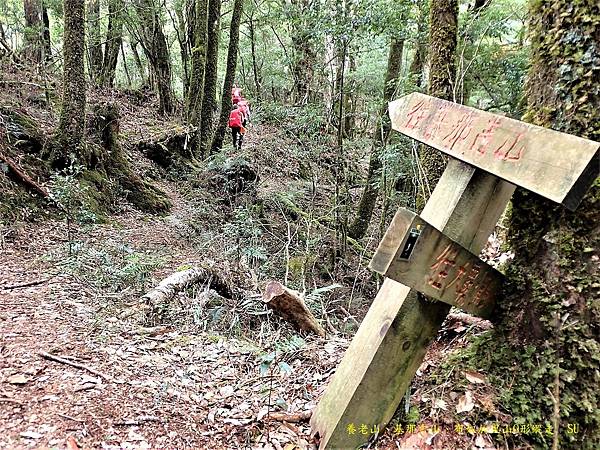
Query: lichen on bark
x: 548, y: 319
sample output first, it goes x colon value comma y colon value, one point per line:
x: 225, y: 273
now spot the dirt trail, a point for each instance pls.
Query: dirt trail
x: 164, y: 387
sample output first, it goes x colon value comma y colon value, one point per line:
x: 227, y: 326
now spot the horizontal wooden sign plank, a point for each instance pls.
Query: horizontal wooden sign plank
x: 555, y: 165
x: 417, y: 255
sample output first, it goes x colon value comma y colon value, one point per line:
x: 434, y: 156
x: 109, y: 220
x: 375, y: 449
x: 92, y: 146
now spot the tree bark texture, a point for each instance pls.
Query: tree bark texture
x: 366, y: 205
x: 114, y: 40
x: 155, y: 47
x: 37, y: 31
x: 198, y: 65
x: 551, y: 300
x: 209, y: 100
x: 178, y: 281
x: 232, y: 53
x: 71, y: 128
x: 443, y: 32
x: 305, y: 56
x: 95, y: 53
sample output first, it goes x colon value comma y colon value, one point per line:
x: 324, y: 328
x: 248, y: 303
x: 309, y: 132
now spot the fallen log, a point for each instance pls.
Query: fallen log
x: 291, y: 417
x: 21, y: 175
x: 471, y: 320
x: 290, y: 306
x: 178, y: 281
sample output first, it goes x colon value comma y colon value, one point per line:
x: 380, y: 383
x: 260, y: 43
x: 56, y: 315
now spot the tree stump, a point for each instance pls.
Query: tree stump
x: 290, y: 306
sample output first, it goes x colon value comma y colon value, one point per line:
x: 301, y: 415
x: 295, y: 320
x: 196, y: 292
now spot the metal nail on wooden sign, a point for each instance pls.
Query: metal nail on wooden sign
x: 555, y: 165
x: 419, y: 256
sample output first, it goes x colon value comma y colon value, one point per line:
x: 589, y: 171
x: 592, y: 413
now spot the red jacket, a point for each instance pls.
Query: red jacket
x: 236, y: 117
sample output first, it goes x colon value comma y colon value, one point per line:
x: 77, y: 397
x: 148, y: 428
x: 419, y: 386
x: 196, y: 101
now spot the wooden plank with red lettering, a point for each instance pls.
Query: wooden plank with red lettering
x: 419, y: 256
x: 555, y: 165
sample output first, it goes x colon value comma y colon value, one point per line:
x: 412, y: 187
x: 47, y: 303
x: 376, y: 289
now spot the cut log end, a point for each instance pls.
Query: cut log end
x: 290, y: 306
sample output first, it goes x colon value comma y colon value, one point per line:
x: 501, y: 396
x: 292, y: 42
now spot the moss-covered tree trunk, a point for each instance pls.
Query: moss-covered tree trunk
x: 154, y: 43
x: 305, y: 57
x: 443, y: 29
x: 198, y: 34
x: 232, y: 52
x: 544, y: 354
x: 69, y: 146
x: 109, y: 162
x: 366, y: 205
x: 37, y: 32
x: 417, y: 66
x: 114, y: 40
x: 209, y: 100
x: 95, y: 53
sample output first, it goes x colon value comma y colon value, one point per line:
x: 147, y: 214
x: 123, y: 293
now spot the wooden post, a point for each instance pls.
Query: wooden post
x: 393, y: 337
x: 465, y: 206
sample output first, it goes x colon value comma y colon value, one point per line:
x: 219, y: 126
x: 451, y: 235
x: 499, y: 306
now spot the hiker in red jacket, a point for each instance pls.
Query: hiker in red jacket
x: 236, y: 123
x: 236, y: 94
x: 245, y: 107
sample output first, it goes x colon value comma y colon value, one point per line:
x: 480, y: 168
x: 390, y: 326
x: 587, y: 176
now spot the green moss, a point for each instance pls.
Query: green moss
x: 548, y: 316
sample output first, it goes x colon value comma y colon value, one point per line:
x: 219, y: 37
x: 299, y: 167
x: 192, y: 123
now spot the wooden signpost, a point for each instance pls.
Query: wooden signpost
x: 555, y: 165
x: 454, y: 226
x: 423, y: 258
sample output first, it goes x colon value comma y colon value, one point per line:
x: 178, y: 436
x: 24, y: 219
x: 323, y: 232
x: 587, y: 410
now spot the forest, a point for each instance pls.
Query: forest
x: 299, y: 224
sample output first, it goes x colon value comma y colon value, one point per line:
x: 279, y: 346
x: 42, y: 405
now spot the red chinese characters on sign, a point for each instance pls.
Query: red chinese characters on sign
x: 510, y: 150
x: 417, y: 113
x: 460, y: 130
x: 439, y: 120
x: 464, y: 277
x: 444, y: 262
x: 461, y: 292
x: 483, y: 139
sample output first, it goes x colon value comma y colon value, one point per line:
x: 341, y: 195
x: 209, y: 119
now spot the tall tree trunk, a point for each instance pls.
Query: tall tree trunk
x: 255, y: 67
x: 366, y: 205
x: 232, y: 51
x: 114, y: 40
x: 185, y: 14
x: 417, y: 66
x: 138, y: 62
x: 47, y: 44
x: 550, y: 306
x: 197, y: 69
x: 443, y: 31
x: 34, y: 29
x: 338, y: 94
x: 350, y: 97
x: 304, y: 59
x: 155, y: 47
x: 95, y: 54
x: 209, y: 101
x: 69, y: 140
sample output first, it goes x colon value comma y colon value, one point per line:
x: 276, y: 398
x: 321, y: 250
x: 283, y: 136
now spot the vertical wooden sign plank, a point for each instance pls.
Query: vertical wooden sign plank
x: 392, y: 340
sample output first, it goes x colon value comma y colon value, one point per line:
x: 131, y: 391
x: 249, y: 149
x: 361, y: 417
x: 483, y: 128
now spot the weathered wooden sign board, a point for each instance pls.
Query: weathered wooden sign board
x: 555, y: 165
x: 465, y: 206
x: 421, y: 257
